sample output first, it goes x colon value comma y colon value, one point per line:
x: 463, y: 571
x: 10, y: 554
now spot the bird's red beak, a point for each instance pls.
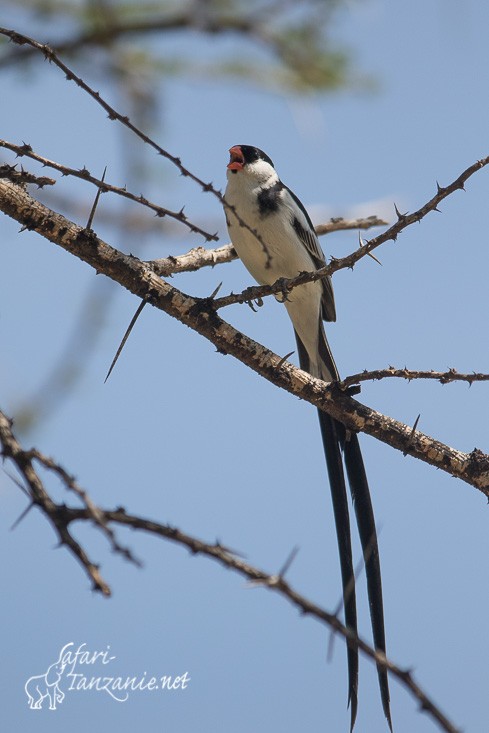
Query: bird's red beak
x: 237, y: 160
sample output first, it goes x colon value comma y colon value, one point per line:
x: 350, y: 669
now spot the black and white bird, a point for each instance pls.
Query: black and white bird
x: 289, y: 246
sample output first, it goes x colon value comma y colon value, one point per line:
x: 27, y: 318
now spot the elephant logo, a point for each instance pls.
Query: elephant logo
x: 42, y: 686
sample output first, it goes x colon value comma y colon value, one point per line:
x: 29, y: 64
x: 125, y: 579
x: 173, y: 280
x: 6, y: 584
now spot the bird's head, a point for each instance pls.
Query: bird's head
x: 251, y: 162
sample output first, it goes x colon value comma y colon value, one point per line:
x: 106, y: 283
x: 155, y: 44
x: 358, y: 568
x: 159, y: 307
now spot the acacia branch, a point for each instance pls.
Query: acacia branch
x: 338, y: 223
x: 103, y: 186
x: 200, y: 315
x: 201, y: 257
x: 40, y: 497
x: 91, y: 510
x: 277, y: 583
x: 284, y: 285
x: 443, y: 377
x: 192, y: 260
x: 113, y: 114
x: 61, y: 517
x: 12, y: 174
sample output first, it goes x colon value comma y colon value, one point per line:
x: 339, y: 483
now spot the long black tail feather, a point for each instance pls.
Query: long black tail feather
x: 332, y: 452
x: 334, y: 438
x: 357, y: 479
x: 339, y: 498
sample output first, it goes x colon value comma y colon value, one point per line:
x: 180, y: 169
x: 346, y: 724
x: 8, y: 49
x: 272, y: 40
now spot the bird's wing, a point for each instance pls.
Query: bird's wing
x: 304, y: 229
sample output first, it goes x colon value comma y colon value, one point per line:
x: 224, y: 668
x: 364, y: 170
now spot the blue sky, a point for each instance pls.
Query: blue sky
x: 184, y: 435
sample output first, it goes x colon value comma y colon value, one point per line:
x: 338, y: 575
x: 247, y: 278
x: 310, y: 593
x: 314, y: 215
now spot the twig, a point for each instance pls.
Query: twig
x: 113, y: 114
x: 39, y: 496
x: 93, y: 511
x: 392, y: 233
x: 443, y: 377
x: 404, y: 220
x: 337, y: 224
x: 11, y: 173
x: 200, y: 257
x: 85, y: 175
x: 130, y: 220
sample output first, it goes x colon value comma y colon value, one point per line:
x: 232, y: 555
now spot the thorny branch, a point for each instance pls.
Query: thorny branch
x: 201, y: 316
x: 104, y: 186
x: 284, y: 285
x: 92, y: 511
x: 443, y: 377
x: 193, y: 260
x: 200, y: 257
x: 11, y: 173
x: 56, y: 513
x: 61, y: 516
x: 129, y: 220
x: 113, y: 114
x: 39, y: 497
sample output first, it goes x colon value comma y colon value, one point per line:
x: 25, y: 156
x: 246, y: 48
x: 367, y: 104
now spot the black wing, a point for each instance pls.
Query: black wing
x: 304, y: 229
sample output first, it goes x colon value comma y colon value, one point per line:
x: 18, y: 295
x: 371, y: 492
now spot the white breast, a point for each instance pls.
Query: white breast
x: 285, y: 254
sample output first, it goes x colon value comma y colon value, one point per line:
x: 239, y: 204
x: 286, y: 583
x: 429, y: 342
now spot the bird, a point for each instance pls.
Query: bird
x: 274, y: 237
